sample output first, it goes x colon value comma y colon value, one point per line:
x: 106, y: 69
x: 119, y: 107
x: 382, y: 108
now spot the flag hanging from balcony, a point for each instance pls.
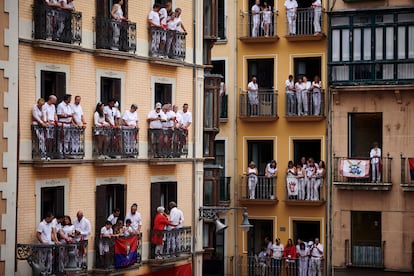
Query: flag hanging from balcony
x: 411, y: 165
x: 355, y: 168
x: 126, y: 251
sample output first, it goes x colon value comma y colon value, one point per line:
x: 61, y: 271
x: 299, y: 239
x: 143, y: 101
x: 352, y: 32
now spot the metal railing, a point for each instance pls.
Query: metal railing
x: 267, y: 266
x: 262, y: 105
x: 167, y: 44
x: 115, y: 34
x: 265, y: 188
x: 305, y: 21
x: 167, y: 143
x: 115, y: 142
x: 309, y: 189
x: 54, y: 259
x: 223, y: 106
x: 364, y: 254
x: 407, y: 176
x: 58, y: 142
x: 385, y: 169
x: 225, y: 189
x: 170, y: 243
x: 308, y: 103
x: 56, y: 24
x: 258, y: 25
x: 107, y: 260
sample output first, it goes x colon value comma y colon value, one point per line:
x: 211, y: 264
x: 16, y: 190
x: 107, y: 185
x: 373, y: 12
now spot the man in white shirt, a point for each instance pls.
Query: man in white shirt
x: 316, y: 253
x: 375, y: 155
x: 64, y: 113
x: 176, y: 223
x: 80, y: 122
x: 155, y: 25
x: 44, y: 236
x: 186, y: 116
x: 135, y: 217
x: 51, y: 119
x: 110, y: 112
x: 256, y: 18
x: 130, y: 130
x: 305, y: 95
x: 290, y: 94
x: 113, y: 218
x: 252, y: 93
x: 82, y: 226
x: 317, y: 7
x: 155, y: 119
x: 277, y: 249
x: 291, y: 7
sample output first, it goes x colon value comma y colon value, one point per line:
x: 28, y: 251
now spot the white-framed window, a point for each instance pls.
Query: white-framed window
x: 52, y: 195
x: 51, y: 79
x: 163, y: 90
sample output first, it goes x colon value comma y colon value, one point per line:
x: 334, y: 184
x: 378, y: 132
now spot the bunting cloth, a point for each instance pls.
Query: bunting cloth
x: 126, y: 251
x: 355, y: 168
x: 411, y: 166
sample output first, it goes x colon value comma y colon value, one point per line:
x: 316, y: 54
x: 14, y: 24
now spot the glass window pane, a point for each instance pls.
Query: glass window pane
x: 388, y: 18
x: 362, y: 72
x: 357, y: 44
x: 406, y: 71
x: 205, y: 235
x: 388, y: 71
x: 405, y: 17
x: 208, y: 109
x: 338, y: 21
x: 345, y: 45
x: 340, y: 73
x: 411, y: 42
x: 208, y: 192
x: 367, y: 44
x: 389, y: 44
x: 336, y: 54
x: 379, y: 43
x: 401, y: 42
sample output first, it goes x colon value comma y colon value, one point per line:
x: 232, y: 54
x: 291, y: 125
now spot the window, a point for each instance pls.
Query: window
x: 260, y: 152
x: 214, y: 243
x: 308, y: 66
x: 104, y: 7
x: 374, y: 47
x: 257, y: 233
x: 306, y: 230
x: 210, y: 18
x: 307, y: 149
x: 364, y: 130
x: 220, y: 155
x: 221, y: 19
x: 53, y: 200
x: 109, y: 197
x: 110, y: 89
x: 163, y: 93
x: 162, y: 193
x: 263, y: 69
x: 53, y: 83
x: 219, y: 67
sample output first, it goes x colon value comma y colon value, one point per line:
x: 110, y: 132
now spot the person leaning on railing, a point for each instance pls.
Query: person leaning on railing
x: 160, y: 223
x: 104, y: 243
x: 290, y: 255
x: 100, y: 133
x: 38, y: 126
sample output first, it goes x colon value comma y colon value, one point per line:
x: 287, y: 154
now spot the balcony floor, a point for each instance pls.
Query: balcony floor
x: 259, y: 118
x: 292, y: 202
x: 364, y: 186
x: 260, y: 39
x: 258, y: 201
x: 300, y: 38
x: 304, y: 118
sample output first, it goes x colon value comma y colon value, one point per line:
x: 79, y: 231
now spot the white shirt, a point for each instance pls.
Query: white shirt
x: 169, y: 123
x: 277, y: 251
x: 163, y: 14
x: 69, y: 5
x: 37, y: 114
x: 252, y: 87
x: 77, y: 113
x: 130, y: 118
x: 98, y: 120
x: 178, y: 119
x: 307, y: 85
x: 255, y: 12
x: 176, y: 218
x: 64, y: 109
x: 288, y: 84
x: 171, y: 25
x: 186, y: 117
x: 291, y: 4
x: 315, y: 252
x: 56, y: 225
x: 317, y: 5
x: 156, y: 124
x: 375, y: 152
x: 113, y: 219
x: 154, y: 17
x: 178, y: 22
x: 135, y: 220
x: 111, y: 113
x: 106, y: 232
x: 83, y: 226
x: 50, y: 111
x: 45, y: 230
x: 67, y: 230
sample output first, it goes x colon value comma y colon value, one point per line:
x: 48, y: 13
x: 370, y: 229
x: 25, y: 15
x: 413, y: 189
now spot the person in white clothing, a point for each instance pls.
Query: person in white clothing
x: 135, y: 217
x: 179, y: 45
x: 104, y: 242
x: 310, y: 178
x: 291, y: 8
x: 302, y: 184
x: 299, y: 86
x: 163, y: 14
x: 113, y: 218
x: 252, y: 174
x: 252, y: 93
x: 255, y: 23
x: 320, y: 176
x: 277, y: 249
x: 290, y: 94
x: 174, y: 236
x: 82, y: 226
x: 155, y: 119
x: 267, y: 19
x: 39, y: 125
x: 130, y: 130
x: 305, y: 95
x: 171, y: 31
x: 187, y: 119
x: 51, y: 118
x: 375, y: 155
x: 65, y: 113
x: 101, y: 131
x: 64, y: 32
x: 52, y: 19
x: 44, y: 236
x: 117, y: 16
x: 316, y: 95
x: 316, y: 253
x: 317, y: 8
x: 155, y: 25
x: 80, y: 123
x: 303, y: 255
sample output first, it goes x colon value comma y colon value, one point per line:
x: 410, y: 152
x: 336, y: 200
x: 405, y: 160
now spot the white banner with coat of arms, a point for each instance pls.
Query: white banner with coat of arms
x: 355, y: 168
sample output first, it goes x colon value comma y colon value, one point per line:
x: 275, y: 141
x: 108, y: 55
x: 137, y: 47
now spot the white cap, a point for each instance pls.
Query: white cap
x: 158, y: 105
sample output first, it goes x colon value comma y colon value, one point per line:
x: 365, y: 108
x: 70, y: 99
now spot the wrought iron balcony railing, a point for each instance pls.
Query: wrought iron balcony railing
x: 264, y: 105
x: 368, y: 254
x: 167, y: 143
x: 305, y: 104
x: 266, y: 265
x: 305, y: 190
x: 56, y: 24
x: 58, y: 142
x: 407, y: 172
x: 107, y: 260
x: 167, y: 44
x: 258, y: 25
x: 305, y: 22
x: 170, y: 244
x: 264, y: 189
x: 55, y: 259
x: 115, y: 34
x: 115, y: 142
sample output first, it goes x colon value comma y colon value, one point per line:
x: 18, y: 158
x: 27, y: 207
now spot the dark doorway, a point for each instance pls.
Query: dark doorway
x: 307, y: 148
x: 306, y: 230
x: 309, y: 67
x: 162, y: 193
x: 52, y: 200
x: 263, y: 69
x: 260, y: 152
x: 53, y: 83
x: 110, y: 89
x: 364, y: 130
x: 257, y: 234
x: 163, y: 93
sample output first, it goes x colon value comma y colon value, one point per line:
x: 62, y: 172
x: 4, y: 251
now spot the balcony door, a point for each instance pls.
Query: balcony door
x: 104, y: 7
x: 307, y: 149
x: 257, y: 233
x: 260, y: 152
x: 263, y: 69
x: 52, y: 200
x: 307, y: 230
x: 364, y: 130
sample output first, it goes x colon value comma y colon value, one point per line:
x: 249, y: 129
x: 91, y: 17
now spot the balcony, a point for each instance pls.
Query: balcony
x: 305, y: 26
x: 264, y: 110
x: 256, y: 32
x: 114, y: 35
x: 62, y: 144
x: 225, y: 190
x: 254, y: 265
x: 407, y: 174
x: 107, y: 263
x: 369, y: 254
x: 55, y: 259
x: 175, y: 245
x: 304, y: 196
x: 360, y: 166
x: 165, y: 144
x: 114, y: 144
x: 56, y: 28
x: 314, y: 104
x: 263, y: 193
x: 167, y: 47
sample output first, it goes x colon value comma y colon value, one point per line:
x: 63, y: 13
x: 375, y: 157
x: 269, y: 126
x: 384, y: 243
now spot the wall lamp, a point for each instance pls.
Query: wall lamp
x: 210, y: 214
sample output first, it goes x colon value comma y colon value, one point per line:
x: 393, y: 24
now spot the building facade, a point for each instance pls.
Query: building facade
x: 370, y: 75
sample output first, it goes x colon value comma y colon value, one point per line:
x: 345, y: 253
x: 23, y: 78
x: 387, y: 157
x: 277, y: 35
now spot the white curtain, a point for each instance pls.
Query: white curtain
x: 379, y: 47
x: 389, y: 43
x: 367, y: 44
x: 357, y: 44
